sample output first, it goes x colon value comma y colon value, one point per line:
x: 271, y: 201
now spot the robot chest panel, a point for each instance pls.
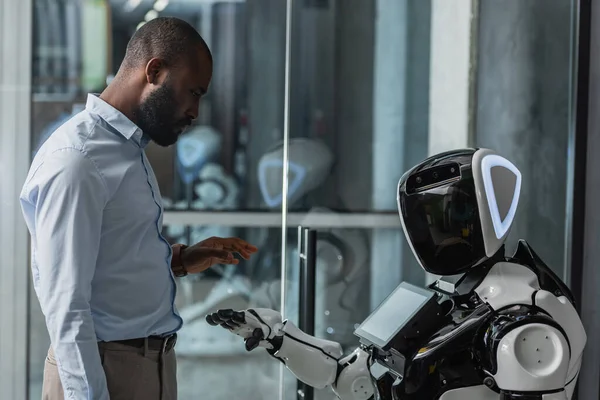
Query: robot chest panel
x: 507, y: 284
x: 470, y: 393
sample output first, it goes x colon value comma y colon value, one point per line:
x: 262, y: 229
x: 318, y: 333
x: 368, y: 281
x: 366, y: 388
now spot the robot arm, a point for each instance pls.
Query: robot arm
x: 530, y: 357
x: 316, y: 362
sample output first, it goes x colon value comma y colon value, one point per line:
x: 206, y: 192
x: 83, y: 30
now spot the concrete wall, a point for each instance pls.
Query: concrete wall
x: 523, y: 110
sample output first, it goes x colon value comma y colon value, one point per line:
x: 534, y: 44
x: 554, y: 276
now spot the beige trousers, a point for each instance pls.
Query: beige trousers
x: 130, y: 374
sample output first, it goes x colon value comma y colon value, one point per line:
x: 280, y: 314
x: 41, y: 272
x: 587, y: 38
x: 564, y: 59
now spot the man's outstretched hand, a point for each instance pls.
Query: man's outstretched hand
x: 215, y: 250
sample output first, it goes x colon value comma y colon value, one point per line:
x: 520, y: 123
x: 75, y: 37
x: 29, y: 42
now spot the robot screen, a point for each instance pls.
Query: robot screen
x: 396, y: 312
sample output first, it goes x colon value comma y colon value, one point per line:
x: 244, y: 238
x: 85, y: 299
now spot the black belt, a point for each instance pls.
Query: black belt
x: 155, y: 343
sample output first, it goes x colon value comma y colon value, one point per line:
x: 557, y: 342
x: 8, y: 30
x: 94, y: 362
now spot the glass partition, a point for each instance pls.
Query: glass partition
x: 359, y: 117
x: 378, y: 86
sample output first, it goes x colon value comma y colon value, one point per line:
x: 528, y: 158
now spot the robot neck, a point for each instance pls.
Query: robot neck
x: 464, y: 284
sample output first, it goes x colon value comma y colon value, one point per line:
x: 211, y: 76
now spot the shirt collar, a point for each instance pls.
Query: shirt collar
x: 116, y: 119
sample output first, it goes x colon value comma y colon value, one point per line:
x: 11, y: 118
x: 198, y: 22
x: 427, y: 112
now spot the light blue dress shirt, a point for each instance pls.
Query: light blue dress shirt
x: 101, y: 268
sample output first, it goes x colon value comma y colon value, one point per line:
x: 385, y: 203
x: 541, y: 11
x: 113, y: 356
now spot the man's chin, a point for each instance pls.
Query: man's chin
x: 166, y: 142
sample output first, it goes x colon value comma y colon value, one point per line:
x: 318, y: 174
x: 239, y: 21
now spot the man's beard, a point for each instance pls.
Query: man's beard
x: 156, y: 116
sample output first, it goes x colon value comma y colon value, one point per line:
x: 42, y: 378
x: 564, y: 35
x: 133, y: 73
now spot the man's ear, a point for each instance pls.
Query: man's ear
x: 154, y: 68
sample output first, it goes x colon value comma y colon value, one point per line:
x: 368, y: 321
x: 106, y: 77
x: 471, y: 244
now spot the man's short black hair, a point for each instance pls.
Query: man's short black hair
x: 168, y: 38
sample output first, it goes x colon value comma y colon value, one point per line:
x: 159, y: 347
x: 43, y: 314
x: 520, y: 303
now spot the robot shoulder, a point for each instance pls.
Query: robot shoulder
x: 354, y: 380
x: 564, y: 313
x: 525, y: 349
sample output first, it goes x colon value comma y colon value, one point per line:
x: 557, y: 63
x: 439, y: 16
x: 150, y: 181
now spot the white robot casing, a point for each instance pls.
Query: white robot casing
x: 491, y: 328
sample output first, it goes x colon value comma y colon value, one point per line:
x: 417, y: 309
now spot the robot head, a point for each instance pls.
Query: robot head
x: 457, y: 208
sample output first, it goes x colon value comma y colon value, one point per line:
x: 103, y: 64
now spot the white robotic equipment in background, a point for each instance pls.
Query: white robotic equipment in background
x: 197, y: 151
x: 196, y: 147
x: 456, y: 210
x: 216, y: 190
x: 309, y: 164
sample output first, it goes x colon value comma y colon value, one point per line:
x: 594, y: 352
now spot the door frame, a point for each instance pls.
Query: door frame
x: 16, y: 20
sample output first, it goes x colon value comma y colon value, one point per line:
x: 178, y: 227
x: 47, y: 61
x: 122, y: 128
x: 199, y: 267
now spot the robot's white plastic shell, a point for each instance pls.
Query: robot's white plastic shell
x: 493, y: 234
x: 314, y: 361
x: 509, y: 284
x: 354, y: 381
x: 531, y: 358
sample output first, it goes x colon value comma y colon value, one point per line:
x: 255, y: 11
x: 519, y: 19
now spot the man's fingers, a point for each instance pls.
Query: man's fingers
x: 240, y: 245
x: 229, y: 261
x: 221, y: 256
x: 232, y: 244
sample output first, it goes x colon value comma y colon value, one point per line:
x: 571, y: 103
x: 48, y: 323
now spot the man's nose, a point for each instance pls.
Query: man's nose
x: 193, y: 111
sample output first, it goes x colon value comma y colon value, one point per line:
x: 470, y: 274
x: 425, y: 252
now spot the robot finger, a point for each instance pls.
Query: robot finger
x: 251, y: 343
x: 225, y: 314
x: 230, y: 325
x: 239, y: 317
x: 258, y: 334
x: 212, y: 319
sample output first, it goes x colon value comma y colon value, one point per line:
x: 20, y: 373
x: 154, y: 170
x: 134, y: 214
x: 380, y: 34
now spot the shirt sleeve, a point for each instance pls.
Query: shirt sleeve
x: 67, y: 196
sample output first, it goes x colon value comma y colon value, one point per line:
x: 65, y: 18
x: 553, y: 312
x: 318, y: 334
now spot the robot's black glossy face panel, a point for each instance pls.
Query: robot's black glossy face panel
x: 439, y: 209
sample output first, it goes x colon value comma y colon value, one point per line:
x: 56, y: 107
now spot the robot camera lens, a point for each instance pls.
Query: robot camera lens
x: 452, y: 169
x: 435, y: 175
x: 419, y: 180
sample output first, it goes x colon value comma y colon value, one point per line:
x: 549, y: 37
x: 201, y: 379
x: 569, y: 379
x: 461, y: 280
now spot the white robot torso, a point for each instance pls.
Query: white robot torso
x: 535, y: 339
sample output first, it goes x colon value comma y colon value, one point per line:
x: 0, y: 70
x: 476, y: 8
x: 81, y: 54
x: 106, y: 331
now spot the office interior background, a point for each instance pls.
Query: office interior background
x: 345, y: 95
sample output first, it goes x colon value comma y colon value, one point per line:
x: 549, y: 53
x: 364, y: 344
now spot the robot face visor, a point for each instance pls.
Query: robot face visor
x: 442, y: 220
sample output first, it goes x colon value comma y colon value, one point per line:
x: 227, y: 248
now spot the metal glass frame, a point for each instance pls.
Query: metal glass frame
x: 15, y: 100
x: 584, y: 230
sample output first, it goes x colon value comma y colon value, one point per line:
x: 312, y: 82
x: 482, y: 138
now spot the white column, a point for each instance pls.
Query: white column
x: 452, y: 74
x: 452, y: 99
x: 389, y: 121
x: 15, y: 95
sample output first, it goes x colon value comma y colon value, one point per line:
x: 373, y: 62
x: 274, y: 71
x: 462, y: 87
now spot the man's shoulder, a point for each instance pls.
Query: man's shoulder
x: 68, y: 165
x: 74, y: 133
x: 65, y: 154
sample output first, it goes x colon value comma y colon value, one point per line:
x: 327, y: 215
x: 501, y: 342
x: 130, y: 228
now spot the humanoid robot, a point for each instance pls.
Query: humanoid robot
x: 492, y: 327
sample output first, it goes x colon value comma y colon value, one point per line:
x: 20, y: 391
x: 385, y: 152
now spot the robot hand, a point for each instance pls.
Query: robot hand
x: 259, y: 327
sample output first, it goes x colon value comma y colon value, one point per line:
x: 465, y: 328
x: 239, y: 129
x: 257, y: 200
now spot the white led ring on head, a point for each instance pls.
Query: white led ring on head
x: 487, y: 163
